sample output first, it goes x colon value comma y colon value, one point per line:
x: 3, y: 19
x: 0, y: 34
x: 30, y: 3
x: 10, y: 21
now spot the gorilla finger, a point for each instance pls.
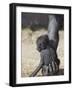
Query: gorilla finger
x: 50, y: 68
x: 53, y: 66
x: 57, y: 67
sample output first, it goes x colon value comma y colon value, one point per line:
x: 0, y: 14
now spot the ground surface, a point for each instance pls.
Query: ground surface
x: 30, y: 56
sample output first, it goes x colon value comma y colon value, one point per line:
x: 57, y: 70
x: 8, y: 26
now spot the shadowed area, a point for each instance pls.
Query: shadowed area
x: 35, y: 21
x: 61, y: 72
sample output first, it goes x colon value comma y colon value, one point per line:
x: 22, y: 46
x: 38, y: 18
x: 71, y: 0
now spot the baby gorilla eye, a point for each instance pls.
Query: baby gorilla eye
x: 41, y: 46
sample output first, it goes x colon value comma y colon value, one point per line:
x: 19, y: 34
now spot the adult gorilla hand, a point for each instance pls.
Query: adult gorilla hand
x: 53, y: 67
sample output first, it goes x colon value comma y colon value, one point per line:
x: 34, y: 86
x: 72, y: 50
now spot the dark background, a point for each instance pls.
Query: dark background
x: 38, y: 20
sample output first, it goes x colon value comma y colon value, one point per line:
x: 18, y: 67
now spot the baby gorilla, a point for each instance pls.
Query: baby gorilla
x: 49, y: 62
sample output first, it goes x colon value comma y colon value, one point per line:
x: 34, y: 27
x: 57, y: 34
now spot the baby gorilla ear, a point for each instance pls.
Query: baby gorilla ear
x: 42, y: 42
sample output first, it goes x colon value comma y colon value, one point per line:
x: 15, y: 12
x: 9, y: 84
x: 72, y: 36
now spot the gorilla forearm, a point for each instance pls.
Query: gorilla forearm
x: 53, y: 31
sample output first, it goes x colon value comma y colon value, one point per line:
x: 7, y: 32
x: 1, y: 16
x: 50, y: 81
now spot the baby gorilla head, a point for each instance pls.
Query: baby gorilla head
x: 42, y: 42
